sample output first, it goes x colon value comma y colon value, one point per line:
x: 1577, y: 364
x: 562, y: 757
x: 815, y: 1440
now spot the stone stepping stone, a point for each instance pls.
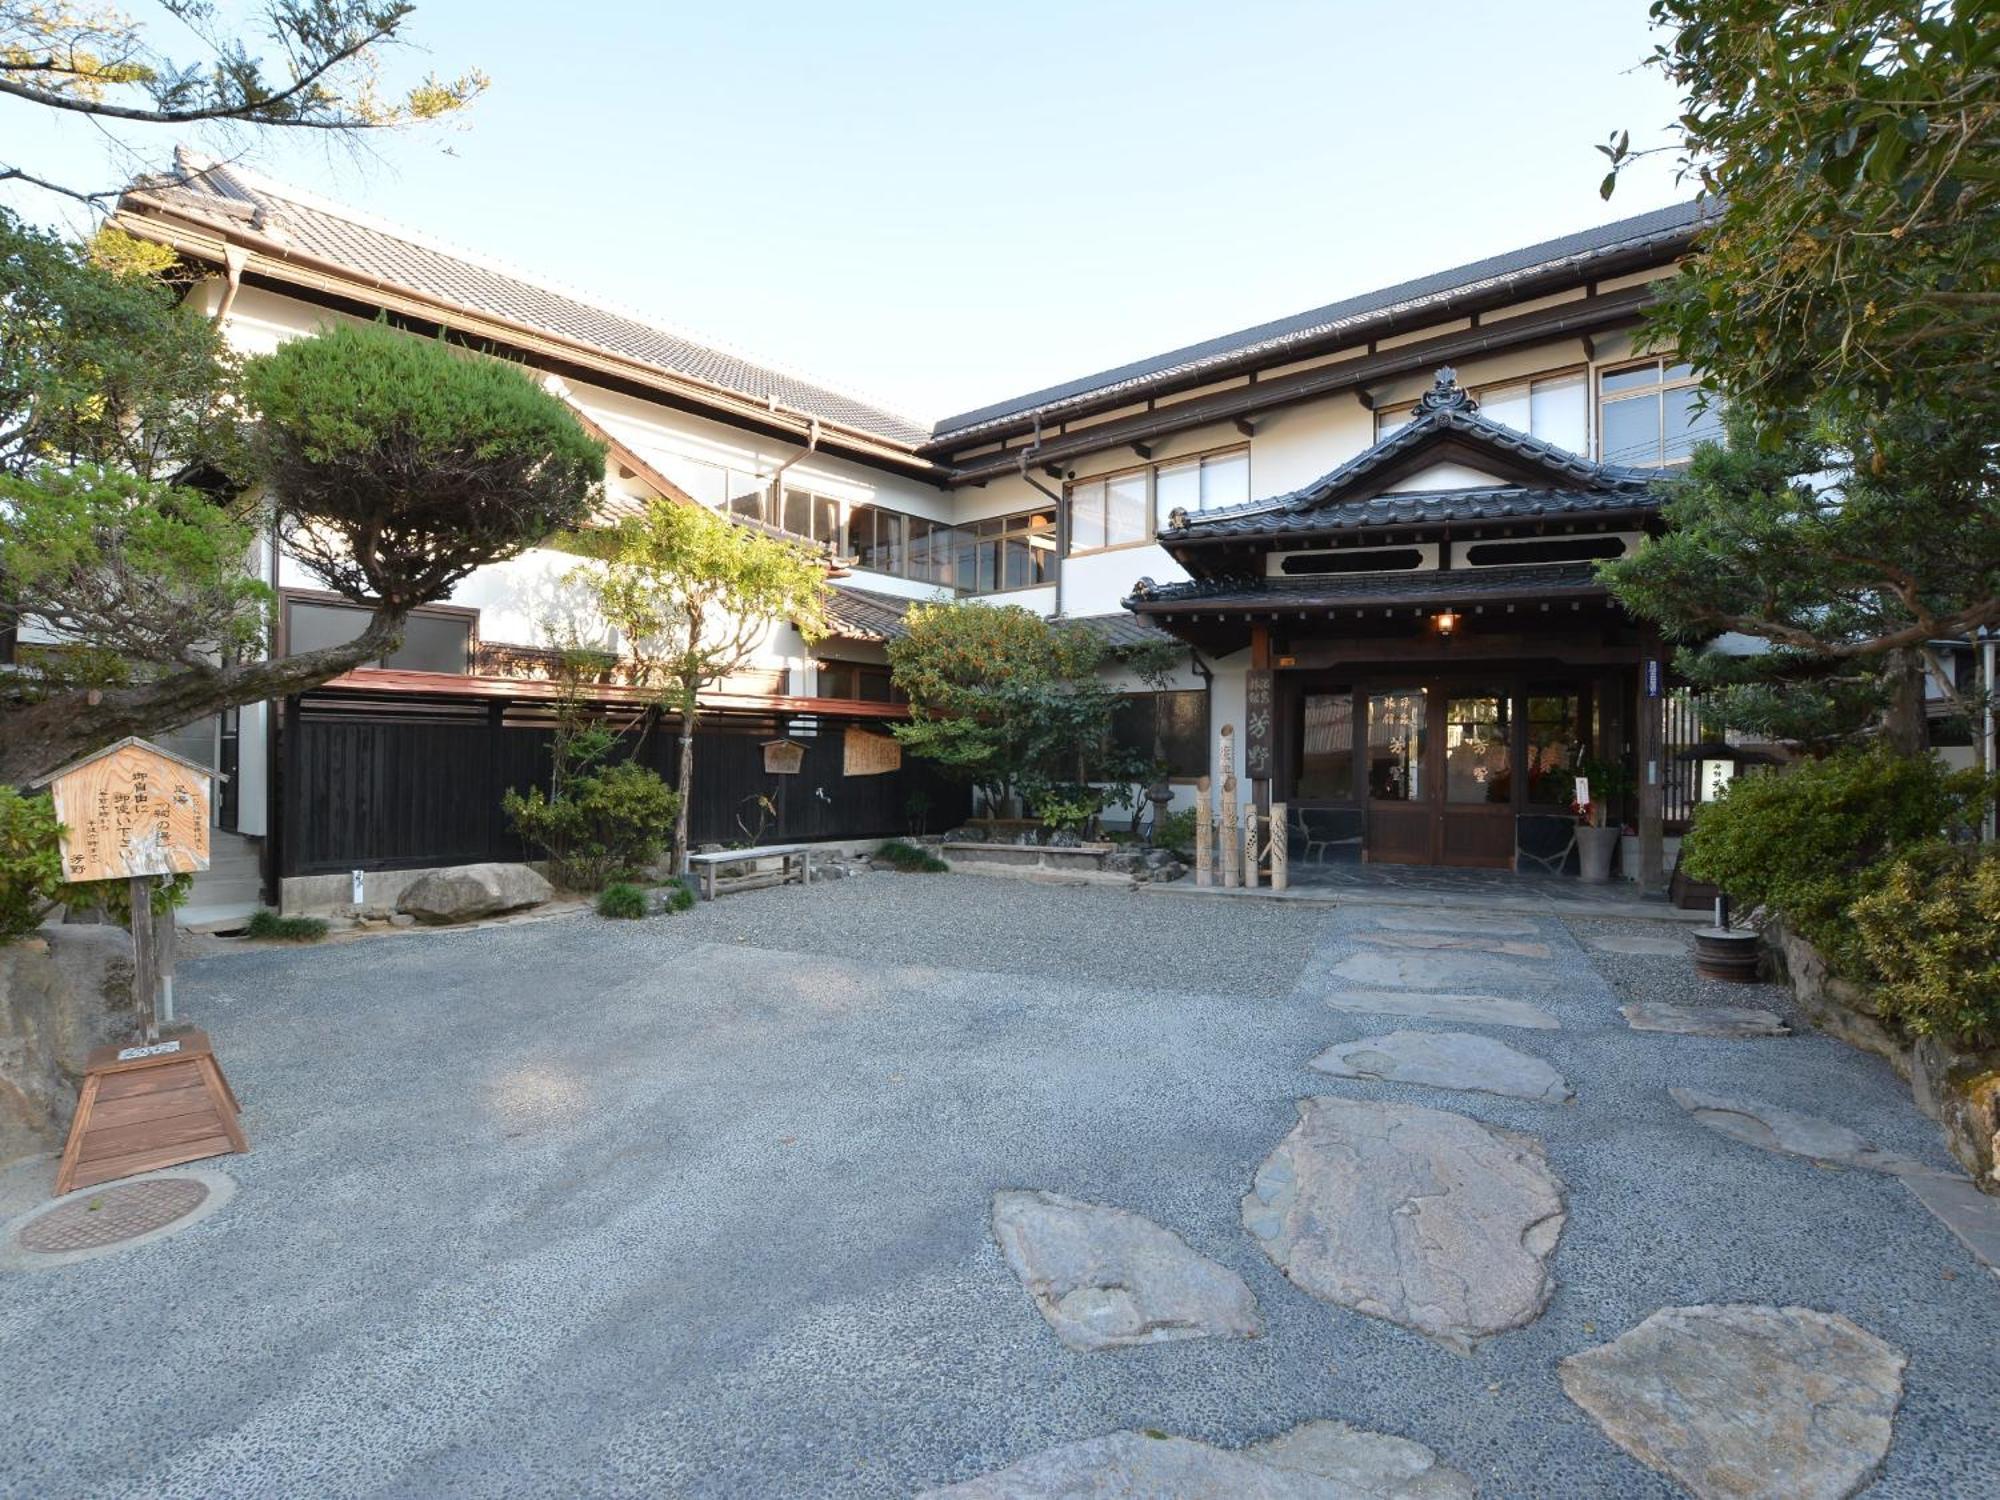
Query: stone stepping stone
x: 1446, y: 1060
x: 1418, y: 1216
x: 1746, y: 1403
x: 1775, y: 1129
x: 1456, y: 941
x: 1105, y: 1277
x: 1703, y: 1020
x: 1319, y: 1461
x: 1636, y: 945
x: 1403, y: 920
x: 1474, y: 1010
x: 1442, y: 971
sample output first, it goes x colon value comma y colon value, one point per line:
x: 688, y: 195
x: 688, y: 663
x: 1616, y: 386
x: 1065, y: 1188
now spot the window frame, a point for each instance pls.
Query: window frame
x: 1134, y: 697
x: 1151, y: 469
x: 288, y: 596
x: 1656, y: 392
x: 972, y: 538
x: 1479, y: 393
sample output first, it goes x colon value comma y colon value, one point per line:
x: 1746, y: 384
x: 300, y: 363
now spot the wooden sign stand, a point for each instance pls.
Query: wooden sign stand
x: 136, y: 812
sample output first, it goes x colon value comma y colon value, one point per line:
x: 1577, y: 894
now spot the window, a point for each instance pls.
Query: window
x: 861, y: 681
x: 1326, y: 749
x: 433, y: 640
x: 1173, y: 725
x: 1396, y: 733
x: 1554, y: 408
x: 1478, y: 756
x: 1650, y: 415
x: 1118, y: 510
x: 813, y: 515
x: 1555, y: 745
x: 1007, y: 552
x: 876, y: 538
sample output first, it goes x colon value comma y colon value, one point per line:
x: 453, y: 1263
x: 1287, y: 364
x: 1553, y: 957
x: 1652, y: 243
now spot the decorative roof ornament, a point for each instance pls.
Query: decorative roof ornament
x: 1177, y: 518
x: 1445, y: 394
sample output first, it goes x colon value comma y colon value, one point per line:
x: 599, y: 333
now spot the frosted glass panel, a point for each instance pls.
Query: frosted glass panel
x: 1225, y: 480
x: 1560, y: 412
x: 1178, y: 486
x: 1086, y: 517
x: 1508, y: 406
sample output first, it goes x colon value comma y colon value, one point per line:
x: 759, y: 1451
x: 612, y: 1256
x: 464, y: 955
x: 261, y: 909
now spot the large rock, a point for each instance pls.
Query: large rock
x: 1467, y: 1010
x: 1106, y: 1276
x: 63, y: 992
x: 1735, y: 1021
x: 1424, y: 1218
x: 1776, y: 1129
x: 1748, y: 1403
x: 1447, y: 970
x: 468, y: 892
x: 1319, y: 1461
x: 1457, y: 942
x: 1446, y: 1060
x: 1448, y: 919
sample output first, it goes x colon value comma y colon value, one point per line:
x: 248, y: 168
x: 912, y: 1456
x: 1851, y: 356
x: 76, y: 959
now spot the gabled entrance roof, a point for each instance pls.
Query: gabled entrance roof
x: 1503, y: 475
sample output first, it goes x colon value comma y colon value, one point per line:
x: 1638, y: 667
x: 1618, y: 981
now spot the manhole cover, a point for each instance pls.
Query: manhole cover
x: 92, y: 1220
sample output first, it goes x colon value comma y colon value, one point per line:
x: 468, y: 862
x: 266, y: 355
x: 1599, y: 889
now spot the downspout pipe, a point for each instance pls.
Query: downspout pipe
x: 234, y: 259
x: 1025, y: 457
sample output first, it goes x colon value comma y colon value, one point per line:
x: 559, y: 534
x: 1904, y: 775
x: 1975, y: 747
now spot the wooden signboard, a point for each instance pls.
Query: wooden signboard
x: 131, y: 810
x: 783, y: 757
x: 866, y: 754
x: 1259, y: 729
x: 136, y: 812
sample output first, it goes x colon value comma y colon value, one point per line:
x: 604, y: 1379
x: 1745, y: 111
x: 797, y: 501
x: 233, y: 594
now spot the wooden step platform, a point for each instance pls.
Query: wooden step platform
x: 139, y: 1114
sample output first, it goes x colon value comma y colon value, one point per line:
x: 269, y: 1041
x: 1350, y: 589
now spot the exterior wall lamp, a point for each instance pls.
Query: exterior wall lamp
x: 1447, y: 623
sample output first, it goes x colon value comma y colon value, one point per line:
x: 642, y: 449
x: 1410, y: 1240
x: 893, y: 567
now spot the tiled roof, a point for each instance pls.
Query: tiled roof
x: 1367, y: 590
x: 234, y: 199
x: 1122, y: 630
x: 1347, y: 319
x: 1417, y: 508
x: 862, y: 615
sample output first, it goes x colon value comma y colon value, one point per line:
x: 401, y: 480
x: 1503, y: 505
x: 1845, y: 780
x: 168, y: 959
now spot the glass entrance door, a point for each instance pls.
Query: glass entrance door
x: 1476, y: 822
x: 1402, y: 780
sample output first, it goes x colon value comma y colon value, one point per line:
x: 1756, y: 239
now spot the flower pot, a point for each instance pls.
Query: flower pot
x: 1594, y: 848
x: 1728, y: 953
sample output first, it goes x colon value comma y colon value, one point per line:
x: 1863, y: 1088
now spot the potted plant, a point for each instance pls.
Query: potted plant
x: 1597, y: 835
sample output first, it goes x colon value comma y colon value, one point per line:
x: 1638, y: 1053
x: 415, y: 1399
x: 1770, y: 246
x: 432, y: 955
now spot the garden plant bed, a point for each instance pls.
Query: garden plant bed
x: 1072, y: 859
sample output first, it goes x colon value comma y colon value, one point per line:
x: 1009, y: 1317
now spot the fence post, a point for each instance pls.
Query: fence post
x: 1250, y: 822
x: 1204, y: 830
x: 1281, y: 835
x: 1232, y: 844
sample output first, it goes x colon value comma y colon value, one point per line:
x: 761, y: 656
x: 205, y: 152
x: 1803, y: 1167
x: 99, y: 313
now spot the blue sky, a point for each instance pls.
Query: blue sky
x: 941, y: 205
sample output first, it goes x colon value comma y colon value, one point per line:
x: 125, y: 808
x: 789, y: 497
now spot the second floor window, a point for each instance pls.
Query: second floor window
x: 1118, y: 510
x: 1650, y: 414
x: 1008, y: 552
x: 1554, y: 408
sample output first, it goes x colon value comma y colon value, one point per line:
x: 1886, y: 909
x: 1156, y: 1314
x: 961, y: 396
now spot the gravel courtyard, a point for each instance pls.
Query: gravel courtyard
x: 702, y: 1205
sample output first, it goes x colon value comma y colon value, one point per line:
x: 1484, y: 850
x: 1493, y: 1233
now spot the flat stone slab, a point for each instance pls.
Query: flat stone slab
x: 1441, y: 970
x: 1474, y: 1010
x: 1639, y: 945
x: 1446, y: 1060
x: 1418, y: 1216
x: 1703, y: 1020
x: 1443, y: 920
x: 1457, y: 942
x: 1775, y: 1129
x: 1319, y: 1461
x: 1105, y: 1277
x: 1746, y: 1403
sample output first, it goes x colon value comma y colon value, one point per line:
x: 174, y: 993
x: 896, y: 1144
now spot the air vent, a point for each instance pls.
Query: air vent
x: 1561, y: 549
x: 1373, y: 560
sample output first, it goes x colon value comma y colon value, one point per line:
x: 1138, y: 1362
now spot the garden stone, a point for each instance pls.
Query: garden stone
x: 1748, y: 1403
x: 1703, y: 1020
x: 1776, y: 1129
x: 1458, y: 941
x: 1424, y: 1218
x: 1475, y: 1010
x: 1448, y: 920
x: 1446, y: 1060
x: 469, y: 892
x: 1105, y: 1277
x: 402, y: 919
x: 1372, y: 1465
x: 1441, y: 971
x: 63, y: 992
x: 1125, y: 861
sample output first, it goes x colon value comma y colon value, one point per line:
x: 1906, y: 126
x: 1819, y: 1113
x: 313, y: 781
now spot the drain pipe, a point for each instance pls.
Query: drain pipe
x: 1062, y: 511
x: 778, y: 474
x: 234, y: 259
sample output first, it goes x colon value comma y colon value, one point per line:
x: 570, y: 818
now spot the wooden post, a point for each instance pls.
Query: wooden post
x: 145, y: 957
x: 1250, y: 824
x: 1652, y: 691
x: 1204, y: 830
x: 1226, y: 835
x: 1259, y: 713
x: 1281, y: 835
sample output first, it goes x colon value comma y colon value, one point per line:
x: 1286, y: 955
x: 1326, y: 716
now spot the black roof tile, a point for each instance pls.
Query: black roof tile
x: 1368, y: 590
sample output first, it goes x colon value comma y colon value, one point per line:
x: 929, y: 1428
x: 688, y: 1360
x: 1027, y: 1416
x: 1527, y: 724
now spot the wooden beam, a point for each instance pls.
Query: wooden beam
x: 1245, y: 426
x: 1650, y: 750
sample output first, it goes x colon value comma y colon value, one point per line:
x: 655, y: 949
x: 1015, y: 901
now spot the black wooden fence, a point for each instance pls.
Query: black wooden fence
x: 384, y: 782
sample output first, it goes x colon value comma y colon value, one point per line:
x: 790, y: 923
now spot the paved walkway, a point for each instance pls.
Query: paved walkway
x: 707, y: 1206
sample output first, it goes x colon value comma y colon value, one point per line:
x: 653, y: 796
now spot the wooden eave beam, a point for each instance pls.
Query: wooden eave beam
x: 1597, y: 313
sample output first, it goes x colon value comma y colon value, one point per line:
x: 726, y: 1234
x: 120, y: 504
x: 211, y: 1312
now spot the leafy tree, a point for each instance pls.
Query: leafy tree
x: 694, y: 595
x: 1847, y: 549
x: 1844, y: 300
x: 1008, y: 701
x: 1853, y: 150
x: 97, y: 61
x: 396, y: 466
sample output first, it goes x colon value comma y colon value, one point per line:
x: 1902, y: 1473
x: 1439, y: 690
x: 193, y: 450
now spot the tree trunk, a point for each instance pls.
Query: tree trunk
x: 37, y: 738
x: 1905, y: 726
x: 685, y: 785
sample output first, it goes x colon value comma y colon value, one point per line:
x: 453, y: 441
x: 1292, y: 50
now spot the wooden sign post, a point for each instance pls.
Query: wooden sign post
x: 135, y: 812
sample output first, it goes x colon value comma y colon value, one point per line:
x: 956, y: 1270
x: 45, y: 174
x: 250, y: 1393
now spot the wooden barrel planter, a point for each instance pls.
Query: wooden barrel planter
x: 1732, y: 954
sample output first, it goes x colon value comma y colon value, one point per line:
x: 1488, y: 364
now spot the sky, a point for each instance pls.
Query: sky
x: 938, y: 205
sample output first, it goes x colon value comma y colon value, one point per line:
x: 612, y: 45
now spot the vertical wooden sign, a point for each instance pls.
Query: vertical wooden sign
x: 1259, y: 730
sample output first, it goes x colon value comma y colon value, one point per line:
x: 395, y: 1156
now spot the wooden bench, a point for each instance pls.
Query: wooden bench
x: 708, y: 864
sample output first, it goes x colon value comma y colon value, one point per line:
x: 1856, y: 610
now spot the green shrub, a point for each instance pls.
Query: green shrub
x: 30, y: 861
x: 910, y: 859
x: 1931, y: 932
x: 680, y: 895
x: 1175, y: 830
x: 621, y: 900
x: 267, y: 924
x: 607, y: 825
x: 1801, y: 842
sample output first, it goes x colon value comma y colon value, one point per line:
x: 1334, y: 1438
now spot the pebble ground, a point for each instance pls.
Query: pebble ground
x: 697, y: 1206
